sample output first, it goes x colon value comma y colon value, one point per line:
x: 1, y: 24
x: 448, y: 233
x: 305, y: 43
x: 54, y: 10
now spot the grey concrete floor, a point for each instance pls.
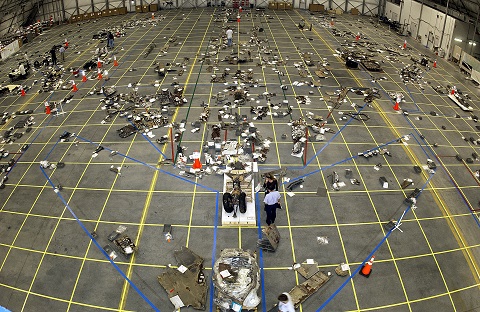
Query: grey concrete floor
x: 48, y: 262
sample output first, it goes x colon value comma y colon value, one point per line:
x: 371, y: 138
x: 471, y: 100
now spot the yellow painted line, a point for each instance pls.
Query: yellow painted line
x: 110, y: 191
x: 126, y: 286
x: 322, y: 173
x: 58, y: 299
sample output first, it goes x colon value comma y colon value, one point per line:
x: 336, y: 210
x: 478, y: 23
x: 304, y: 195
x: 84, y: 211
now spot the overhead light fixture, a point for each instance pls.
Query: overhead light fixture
x: 458, y: 40
x: 472, y: 43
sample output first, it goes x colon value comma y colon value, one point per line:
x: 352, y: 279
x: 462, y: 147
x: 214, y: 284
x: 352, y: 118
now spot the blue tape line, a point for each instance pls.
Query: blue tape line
x: 336, y: 163
x: 411, y: 96
x: 149, y: 141
x: 214, y: 250
x: 334, y: 136
x: 370, y: 254
x: 151, y: 167
x: 260, y: 253
x: 51, y: 150
x: 98, y: 246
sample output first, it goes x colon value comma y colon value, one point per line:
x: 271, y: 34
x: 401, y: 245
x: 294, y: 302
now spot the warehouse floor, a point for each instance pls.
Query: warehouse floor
x: 48, y: 261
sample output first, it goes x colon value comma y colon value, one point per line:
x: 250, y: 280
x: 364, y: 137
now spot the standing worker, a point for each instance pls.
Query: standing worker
x: 272, y: 202
x: 285, y: 303
x: 54, y: 56
x: 229, y: 33
x: 62, y: 53
x: 110, y: 39
x: 25, y: 56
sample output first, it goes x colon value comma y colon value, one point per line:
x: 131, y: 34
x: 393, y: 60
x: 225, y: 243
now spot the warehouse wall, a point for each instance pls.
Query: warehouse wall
x: 426, y: 28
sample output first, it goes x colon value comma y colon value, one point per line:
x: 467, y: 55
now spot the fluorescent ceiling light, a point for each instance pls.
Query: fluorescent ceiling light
x: 458, y: 39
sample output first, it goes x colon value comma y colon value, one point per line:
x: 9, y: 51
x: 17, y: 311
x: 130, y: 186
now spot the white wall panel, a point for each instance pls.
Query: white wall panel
x: 392, y: 11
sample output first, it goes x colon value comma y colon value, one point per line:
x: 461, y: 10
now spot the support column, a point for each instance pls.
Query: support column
x: 419, y: 21
x: 444, y: 24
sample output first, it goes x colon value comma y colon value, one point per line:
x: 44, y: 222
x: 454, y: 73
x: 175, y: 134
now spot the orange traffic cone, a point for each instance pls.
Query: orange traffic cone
x: 22, y: 91
x: 405, y: 44
x: 396, y: 107
x: 47, y: 108
x: 99, y: 64
x: 100, y: 77
x: 435, y: 64
x: 332, y: 23
x: 74, y: 87
x: 115, y: 63
x: 197, y: 165
x: 84, y: 77
x: 367, y: 268
x: 153, y: 15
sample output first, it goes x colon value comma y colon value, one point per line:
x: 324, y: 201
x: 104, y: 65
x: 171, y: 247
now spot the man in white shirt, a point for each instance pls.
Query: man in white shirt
x: 229, y: 36
x: 272, y: 202
x: 21, y: 70
x: 285, y: 303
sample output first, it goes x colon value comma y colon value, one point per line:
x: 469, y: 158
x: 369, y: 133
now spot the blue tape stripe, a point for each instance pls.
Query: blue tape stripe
x: 260, y: 252
x: 337, y: 163
x: 51, y: 150
x: 98, y: 246
x: 413, y: 100
x: 151, y: 167
x: 214, y: 250
x: 334, y: 136
x: 370, y: 254
x: 149, y: 141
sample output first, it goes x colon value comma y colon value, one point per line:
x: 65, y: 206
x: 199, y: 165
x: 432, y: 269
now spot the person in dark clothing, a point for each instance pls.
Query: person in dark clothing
x: 270, y: 183
x: 110, y: 39
x: 272, y: 203
x: 54, y: 55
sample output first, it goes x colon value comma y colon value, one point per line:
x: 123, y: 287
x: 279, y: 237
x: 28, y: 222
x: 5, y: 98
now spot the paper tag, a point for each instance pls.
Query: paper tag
x: 310, y: 261
x: 225, y: 273
x: 182, y: 268
x: 345, y: 267
x: 291, y: 194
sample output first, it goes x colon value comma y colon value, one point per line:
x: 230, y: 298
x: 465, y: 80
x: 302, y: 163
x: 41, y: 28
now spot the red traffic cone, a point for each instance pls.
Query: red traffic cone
x: 405, y: 44
x: 453, y: 90
x: 74, y: 87
x: 22, y: 91
x: 115, y: 63
x: 100, y: 77
x: 47, y: 108
x: 240, y: 9
x: 66, y: 43
x: 367, y: 268
x: 99, y: 64
x: 84, y: 77
x: 153, y: 15
x: 332, y: 23
x: 435, y: 64
x: 238, y: 18
x: 357, y: 37
x: 396, y: 107
x: 197, y: 165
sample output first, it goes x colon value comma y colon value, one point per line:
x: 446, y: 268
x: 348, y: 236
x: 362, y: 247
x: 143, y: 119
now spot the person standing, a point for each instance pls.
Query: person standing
x: 53, y: 53
x: 62, y: 53
x: 229, y: 33
x: 270, y: 181
x: 110, y: 39
x: 285, y: 303
x: 272, y: 202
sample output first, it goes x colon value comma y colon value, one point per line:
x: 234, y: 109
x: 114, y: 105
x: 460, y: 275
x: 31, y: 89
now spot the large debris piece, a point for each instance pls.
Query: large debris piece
x: 186, y: 285
x: 236, y: 277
